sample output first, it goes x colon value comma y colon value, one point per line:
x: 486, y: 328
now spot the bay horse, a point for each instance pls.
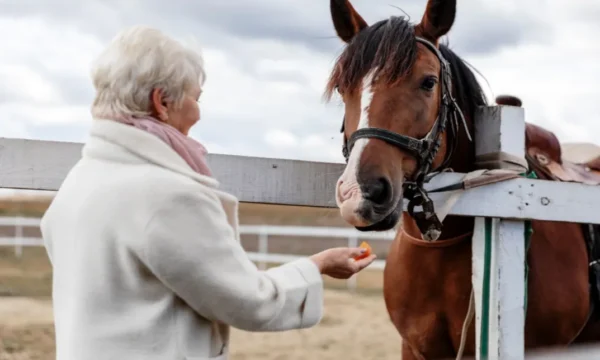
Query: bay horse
x: 409, y: 104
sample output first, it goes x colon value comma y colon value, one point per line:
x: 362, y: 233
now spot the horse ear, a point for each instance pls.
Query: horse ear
x: 438, y: 19
x: 346, y: 20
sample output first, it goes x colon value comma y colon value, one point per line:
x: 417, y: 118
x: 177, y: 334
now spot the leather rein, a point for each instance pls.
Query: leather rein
x: 423, y: 150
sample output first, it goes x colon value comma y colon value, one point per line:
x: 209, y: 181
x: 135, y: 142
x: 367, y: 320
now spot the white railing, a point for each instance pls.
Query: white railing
x: 262, y: 257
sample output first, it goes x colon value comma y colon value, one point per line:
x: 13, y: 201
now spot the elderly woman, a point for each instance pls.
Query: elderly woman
x: 145, y: 248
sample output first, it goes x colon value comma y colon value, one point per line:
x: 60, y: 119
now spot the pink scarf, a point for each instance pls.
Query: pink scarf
x: 189, y: 149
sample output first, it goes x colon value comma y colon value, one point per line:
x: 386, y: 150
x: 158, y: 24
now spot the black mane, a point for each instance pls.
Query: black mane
x: 468, y: 91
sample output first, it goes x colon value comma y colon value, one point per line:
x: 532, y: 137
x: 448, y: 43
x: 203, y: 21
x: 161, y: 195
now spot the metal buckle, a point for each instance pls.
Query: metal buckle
x: 427, y: 221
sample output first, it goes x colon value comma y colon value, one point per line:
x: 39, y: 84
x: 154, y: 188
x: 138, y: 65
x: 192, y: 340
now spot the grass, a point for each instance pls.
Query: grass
x: 354, y: 327
x: 34, y: 342
x: 30, y: 275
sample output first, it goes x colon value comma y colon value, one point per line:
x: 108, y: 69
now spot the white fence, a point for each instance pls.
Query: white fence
x: 262, y: 257
x: 500, y: 210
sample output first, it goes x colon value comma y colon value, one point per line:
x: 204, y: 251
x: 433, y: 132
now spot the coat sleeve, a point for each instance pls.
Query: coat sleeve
x: 192, y: 249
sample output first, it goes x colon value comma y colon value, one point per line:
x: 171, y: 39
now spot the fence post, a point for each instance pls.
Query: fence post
x: 263, y: 247
x: 499, y: 249
x: 351, y: 282
x: 18, y: 237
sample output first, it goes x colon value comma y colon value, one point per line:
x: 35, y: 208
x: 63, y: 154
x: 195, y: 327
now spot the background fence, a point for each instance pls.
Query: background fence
x: 262, y: 257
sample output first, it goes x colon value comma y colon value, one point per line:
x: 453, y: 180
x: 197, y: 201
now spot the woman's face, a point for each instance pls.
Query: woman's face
x: 182, y: 118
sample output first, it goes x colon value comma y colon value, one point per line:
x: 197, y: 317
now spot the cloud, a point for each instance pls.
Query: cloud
x: 486, y: 28
x: 268, y: 61
x: 280, y: 139
x: 307, y: 24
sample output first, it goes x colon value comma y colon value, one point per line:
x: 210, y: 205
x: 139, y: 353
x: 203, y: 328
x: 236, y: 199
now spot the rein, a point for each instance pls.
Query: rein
x: 423, y: 150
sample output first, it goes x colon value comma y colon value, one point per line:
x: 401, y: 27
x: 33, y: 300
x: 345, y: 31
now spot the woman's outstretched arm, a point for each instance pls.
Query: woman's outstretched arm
x: 190, y: 246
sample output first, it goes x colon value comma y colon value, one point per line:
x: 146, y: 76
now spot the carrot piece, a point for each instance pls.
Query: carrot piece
x: 366, y: 246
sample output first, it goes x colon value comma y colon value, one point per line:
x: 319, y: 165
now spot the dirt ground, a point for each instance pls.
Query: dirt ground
x: 355, y: 326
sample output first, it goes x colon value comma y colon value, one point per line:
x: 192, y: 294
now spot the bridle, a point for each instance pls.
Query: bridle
x: 423, y: 150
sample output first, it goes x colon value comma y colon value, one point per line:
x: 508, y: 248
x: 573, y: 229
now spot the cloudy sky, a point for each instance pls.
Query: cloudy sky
x: 268, y: 61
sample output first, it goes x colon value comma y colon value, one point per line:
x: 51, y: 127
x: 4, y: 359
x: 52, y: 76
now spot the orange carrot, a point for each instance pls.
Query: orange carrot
x: 366, y: 246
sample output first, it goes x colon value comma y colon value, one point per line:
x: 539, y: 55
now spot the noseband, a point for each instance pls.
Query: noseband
x: 423, y: 150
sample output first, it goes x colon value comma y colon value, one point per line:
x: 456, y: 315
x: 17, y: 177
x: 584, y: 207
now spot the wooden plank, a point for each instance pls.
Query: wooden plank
x: 34, y: 164
x: 499, y: 128
x: 499, y: 248
x: 508, y: 325
x: 42, y: 165
x: 478, y: 247
x: 525, y: 199
x: 498, y: 277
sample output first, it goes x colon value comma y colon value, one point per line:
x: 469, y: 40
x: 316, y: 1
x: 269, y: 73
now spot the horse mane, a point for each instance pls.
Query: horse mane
x: 468, y: 92
x: 387, y: 50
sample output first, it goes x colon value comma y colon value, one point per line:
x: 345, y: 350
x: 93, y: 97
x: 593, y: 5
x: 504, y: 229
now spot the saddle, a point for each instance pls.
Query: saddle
x: 545, y: 153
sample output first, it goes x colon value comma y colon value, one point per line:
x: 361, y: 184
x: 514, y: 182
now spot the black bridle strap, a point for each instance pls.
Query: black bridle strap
x: 416, y: 147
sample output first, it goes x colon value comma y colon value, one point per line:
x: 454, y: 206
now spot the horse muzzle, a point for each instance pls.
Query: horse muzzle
x: 372, y: 202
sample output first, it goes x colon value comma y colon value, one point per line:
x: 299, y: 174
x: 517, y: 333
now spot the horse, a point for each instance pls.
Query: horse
x: 409, y: 106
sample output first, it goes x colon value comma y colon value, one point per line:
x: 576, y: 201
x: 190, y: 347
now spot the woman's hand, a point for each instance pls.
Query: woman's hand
x: 339, y: 262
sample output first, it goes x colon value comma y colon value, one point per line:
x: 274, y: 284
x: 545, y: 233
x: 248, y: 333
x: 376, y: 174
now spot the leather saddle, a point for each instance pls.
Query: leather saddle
x: 545, y: 153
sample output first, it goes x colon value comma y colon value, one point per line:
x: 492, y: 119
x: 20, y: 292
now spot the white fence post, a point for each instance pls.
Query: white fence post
x: 351, y: 283
x: 18, y: 237
x: 263, y: 248
x: 499, y: 250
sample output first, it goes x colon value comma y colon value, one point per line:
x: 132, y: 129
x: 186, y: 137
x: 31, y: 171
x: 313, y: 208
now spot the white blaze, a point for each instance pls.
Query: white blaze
x: 348, y: 194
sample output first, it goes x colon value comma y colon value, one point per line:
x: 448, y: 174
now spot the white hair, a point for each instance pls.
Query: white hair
x: 138, y: 60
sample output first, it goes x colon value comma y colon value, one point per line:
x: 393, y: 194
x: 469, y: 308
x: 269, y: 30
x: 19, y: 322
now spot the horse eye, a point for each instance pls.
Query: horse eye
x: 428, y: 83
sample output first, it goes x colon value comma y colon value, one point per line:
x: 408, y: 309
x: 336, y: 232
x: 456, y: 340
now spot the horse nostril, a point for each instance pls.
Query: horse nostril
x: 377, y: 191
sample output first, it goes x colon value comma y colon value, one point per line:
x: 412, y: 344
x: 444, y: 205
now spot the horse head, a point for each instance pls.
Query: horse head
x: 401, y: 119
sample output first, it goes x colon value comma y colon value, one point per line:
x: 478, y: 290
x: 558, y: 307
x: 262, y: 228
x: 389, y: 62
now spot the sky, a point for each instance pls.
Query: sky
x: 267, y: 62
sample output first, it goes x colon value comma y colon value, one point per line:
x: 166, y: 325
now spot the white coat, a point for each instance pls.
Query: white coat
x: 147, y: 262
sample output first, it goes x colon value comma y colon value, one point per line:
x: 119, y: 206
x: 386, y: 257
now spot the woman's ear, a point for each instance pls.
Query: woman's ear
x: 159, y: 105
